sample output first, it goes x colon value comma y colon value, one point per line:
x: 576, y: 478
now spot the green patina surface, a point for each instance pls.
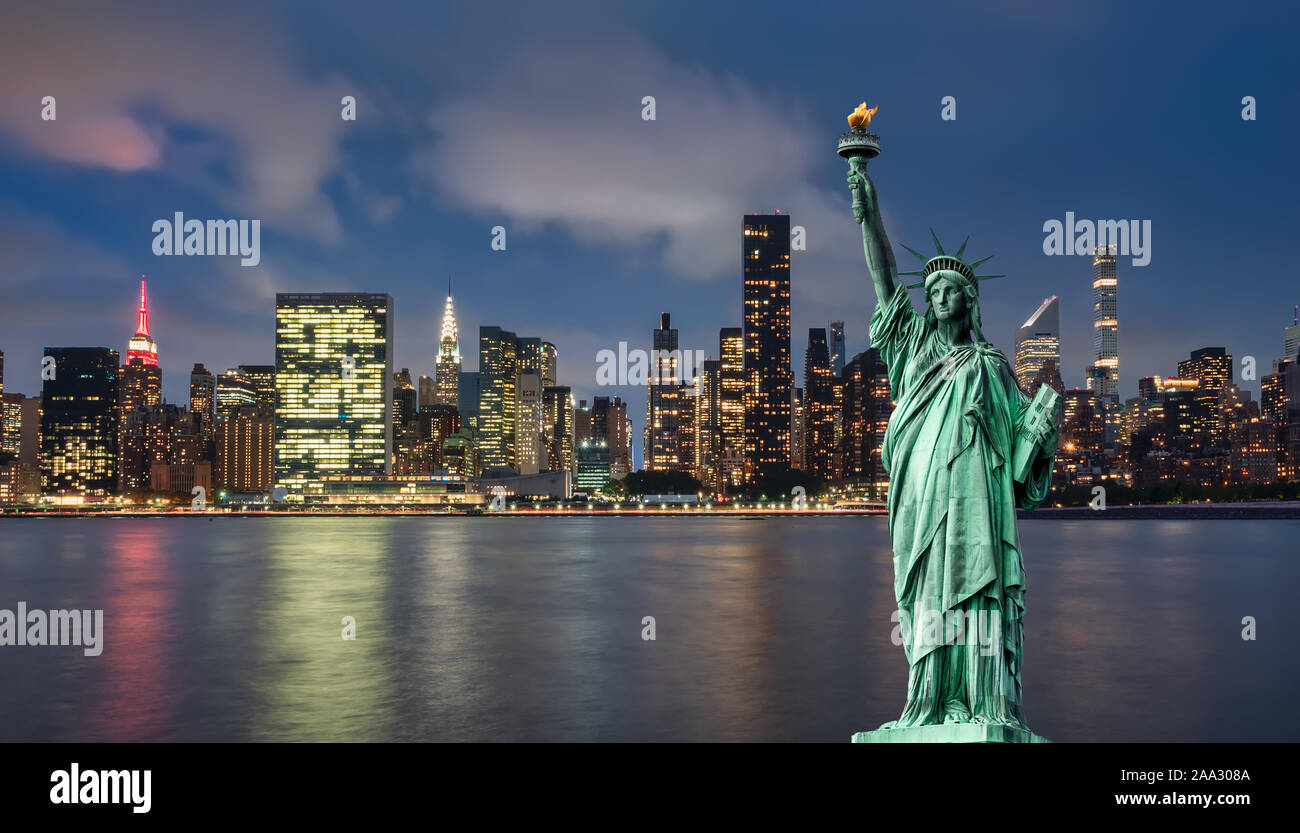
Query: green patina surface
x: 964, y: 448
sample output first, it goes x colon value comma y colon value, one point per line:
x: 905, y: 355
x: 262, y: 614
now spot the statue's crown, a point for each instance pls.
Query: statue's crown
x: 944, y: 262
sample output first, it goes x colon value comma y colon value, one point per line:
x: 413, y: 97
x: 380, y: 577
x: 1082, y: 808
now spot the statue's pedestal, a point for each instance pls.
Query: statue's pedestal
x: 950, y: 733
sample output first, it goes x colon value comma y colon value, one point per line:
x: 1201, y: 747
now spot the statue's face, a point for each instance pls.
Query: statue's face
x: 948, y: 301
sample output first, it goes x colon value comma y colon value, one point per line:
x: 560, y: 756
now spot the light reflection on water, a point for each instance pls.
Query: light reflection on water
x: 530, y: 629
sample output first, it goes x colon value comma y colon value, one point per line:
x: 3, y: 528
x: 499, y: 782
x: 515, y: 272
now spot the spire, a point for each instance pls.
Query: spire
x: 142, y: 325
x: 141, y: 346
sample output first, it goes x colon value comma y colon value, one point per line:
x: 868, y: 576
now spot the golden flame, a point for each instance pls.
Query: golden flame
x: 861, y: 117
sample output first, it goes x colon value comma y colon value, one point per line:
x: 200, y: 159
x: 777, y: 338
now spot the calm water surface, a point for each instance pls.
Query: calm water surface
x: 530, y: 629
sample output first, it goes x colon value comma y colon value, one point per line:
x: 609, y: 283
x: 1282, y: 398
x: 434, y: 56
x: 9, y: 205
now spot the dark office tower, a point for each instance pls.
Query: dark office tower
x: 234, y: 391
x: 662, y: 448
x: 428, y: 392
x: 498, y: 381
x: 837, y: 349
x: 765, y: 256
x: 79, y: 426
x: 582, y: 423
x: 867, y: 406
x: 819, y: 407
x: 1037, y: 341
x: 557, y: 405
x: 686, y: 427
x: 405, y: 404
x: 609, y: 423
x: 1212, y: 367
x: 2, y: 373
x: 731, y: 409
x: 550, y: 360
x: 334, y: 386
x: 532, y: 358
x: 262, y: 377
x: 1273, y: 400
x: 467, y: 399
x: 707, y: 419
x: 203, y: 400
x: 797, y: 429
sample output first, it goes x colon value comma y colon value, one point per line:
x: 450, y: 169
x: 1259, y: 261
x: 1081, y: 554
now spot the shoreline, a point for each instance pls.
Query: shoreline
x: 1263, y: 510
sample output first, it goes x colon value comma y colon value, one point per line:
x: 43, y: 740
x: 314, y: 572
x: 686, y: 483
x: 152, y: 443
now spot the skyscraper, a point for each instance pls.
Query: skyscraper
x: 797, y: 456
x: 819, y: 407
x: 557, y: 402
x: 141, y: 345
x: 467, y: 400
x: 731, y: 409
x: 79, y: 425
x: 867, y: 406
x: 1105, y: 319
x: 765, y: 257
x: 139, y: 387
x: 1102, y: 376
x: 245, y: 459
x: 428, y: 391
x: 203, y: 400
x: 498, y: 396
x: 234, y: 391
x: 334, y: 386
x: 707, y: 422
x: 609, y: 422
x: 837, y: 349
x: 1212, y: 367
x: 447, y: 368
x: 405, y: 401
x: 550, y: 360
x: 1291, y: 338
x: 662, y: 449
x: 262, y: 377
x: 529, y: 443
x: 1037, y: 341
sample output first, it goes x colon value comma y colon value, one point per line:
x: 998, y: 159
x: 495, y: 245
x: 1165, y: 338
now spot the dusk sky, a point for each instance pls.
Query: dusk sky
x: 528, y: 115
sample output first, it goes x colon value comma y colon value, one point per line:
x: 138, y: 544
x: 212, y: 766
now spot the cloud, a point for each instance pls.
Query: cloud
x: 556, y: 136
x: 258, y: 136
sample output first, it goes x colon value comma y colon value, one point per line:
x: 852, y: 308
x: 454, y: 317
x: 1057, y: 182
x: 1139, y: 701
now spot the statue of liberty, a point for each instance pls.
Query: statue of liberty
x: 956, y: 476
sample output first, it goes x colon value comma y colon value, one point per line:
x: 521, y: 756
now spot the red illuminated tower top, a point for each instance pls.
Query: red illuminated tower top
x: 141, y: 346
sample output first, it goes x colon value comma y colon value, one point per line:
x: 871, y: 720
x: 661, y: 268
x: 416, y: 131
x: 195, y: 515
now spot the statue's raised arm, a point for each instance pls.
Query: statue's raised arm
x: 875, y: 244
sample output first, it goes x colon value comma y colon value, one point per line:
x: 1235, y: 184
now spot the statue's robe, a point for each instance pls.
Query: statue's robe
x: 952, y: 518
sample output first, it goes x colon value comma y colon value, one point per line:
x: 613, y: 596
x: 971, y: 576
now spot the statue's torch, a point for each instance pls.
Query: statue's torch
x: 858, y: 146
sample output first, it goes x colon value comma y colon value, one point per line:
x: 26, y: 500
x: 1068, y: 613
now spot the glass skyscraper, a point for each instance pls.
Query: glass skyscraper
x: 498, y: 396
x: 334, y: 386
x: 765, y: 257
x: 1037, y: 341
x: 79, y: 425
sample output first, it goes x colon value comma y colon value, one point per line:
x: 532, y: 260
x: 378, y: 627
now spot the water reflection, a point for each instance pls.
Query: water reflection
x: 530, y: 629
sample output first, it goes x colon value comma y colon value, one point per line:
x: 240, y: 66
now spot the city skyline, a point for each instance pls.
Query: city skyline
x: 360, y: 198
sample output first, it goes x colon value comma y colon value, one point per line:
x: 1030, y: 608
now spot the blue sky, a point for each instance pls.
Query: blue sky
x: 529, y: 116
